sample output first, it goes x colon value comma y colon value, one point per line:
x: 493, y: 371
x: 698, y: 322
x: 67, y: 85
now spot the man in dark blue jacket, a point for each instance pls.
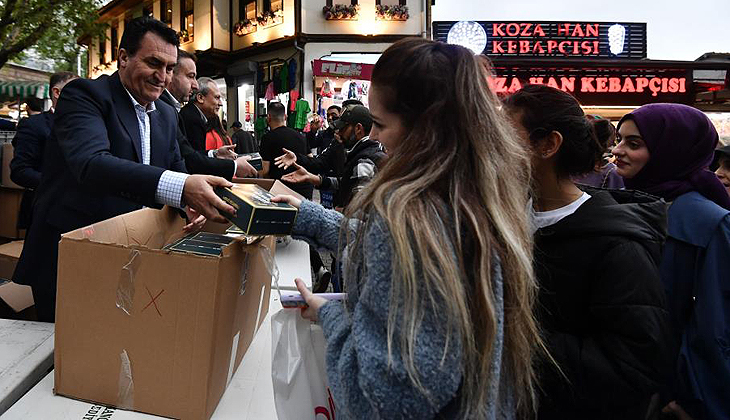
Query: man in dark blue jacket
x: 113, y: 149
x: 29, y: 144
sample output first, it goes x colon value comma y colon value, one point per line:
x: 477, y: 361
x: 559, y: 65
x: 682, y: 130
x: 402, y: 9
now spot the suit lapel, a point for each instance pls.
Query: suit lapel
x: 125, y: 113
x: 156, y: 142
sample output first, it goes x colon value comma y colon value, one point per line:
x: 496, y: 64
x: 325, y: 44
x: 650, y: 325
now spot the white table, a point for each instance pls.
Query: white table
x: 293, y: 262
x: 250, y: 395
x: 26, y: 354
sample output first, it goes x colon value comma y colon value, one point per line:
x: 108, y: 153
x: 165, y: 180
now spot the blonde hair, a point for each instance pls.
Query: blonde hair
x: 459, y: 177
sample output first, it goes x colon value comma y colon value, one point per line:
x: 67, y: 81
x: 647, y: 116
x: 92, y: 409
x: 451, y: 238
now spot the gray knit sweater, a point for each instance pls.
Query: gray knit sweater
x: 364, y: 385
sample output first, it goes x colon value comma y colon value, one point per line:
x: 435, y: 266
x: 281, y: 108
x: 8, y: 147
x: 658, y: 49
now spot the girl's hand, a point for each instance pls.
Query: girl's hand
x: 315, y: 302
x: 287, y: 199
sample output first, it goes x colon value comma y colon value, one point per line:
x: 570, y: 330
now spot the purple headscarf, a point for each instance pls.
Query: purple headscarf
x: 681, y: 142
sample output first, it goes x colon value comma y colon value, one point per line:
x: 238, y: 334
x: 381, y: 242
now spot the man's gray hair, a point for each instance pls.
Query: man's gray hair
x: 203, y: 87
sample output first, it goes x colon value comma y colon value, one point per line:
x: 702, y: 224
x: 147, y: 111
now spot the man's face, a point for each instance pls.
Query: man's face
x: 723, y: 172
x: 149, y: 71
x: 210, y: 103
x: 183, y: 80
x: 332, y: 115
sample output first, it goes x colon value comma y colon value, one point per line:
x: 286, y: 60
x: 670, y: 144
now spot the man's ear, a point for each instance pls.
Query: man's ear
x: 122, y: 58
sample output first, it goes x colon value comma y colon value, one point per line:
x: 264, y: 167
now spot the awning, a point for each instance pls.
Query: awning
x: 24, y: 89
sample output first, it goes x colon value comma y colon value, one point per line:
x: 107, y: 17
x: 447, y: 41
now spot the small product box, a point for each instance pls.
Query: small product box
x: 254, y: 160
x: 256, y: 215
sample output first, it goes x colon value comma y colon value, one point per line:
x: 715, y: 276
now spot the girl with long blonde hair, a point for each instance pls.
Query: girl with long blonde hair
x: 436, y: 252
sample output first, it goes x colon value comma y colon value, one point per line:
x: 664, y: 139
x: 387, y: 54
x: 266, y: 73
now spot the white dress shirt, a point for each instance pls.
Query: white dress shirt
x: 171, y: 184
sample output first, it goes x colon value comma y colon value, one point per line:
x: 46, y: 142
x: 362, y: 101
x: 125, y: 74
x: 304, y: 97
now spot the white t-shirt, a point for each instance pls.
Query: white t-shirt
x: 542, y: 219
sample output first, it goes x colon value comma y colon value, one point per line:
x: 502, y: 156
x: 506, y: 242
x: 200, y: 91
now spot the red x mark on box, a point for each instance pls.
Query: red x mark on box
x: 153, y: 299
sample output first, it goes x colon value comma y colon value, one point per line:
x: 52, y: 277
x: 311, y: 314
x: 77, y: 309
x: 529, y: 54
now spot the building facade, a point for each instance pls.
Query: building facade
x: 246, y: 45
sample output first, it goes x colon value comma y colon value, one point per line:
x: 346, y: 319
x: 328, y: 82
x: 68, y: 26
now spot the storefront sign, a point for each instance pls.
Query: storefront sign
x: 618, y: 88
x: 342, y: 69
x: 557, y: 39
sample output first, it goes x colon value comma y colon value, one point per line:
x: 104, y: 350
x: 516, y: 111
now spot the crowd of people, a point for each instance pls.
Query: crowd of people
x: 503, y: 257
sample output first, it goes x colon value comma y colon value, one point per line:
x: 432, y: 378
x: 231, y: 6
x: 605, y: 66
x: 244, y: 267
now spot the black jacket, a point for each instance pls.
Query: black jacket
x: 361, y: 165
x: 194, y: 126
x: 601, y: 307
x: 331, y: 162
x: 29, y: 145
x: 92, y: 170
x: 195, y: 161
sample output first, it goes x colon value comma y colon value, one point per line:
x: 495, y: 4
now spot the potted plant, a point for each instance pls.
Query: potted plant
x: 341, y: 12
x: 184, y: 35
x: 245, y: 26
x: 270, y: 18
x: 395, y: 12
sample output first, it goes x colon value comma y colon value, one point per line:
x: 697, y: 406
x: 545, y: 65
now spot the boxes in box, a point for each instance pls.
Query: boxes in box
x: 155, y: 330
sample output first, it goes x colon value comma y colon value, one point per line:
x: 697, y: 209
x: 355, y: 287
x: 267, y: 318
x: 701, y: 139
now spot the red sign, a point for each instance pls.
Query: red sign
x: 655, y: 85
x: 342, y: 69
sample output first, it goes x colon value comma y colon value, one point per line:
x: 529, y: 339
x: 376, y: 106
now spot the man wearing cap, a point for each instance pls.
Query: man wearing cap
x: 243, y: 140
x: 363, y: 157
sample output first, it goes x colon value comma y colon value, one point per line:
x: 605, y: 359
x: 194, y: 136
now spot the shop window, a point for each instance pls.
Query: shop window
x: 147, y: 10
x: 390, y: 2
x: 102, y: 50
x: 272, y: 14
x: 166, y: 12
x: 115, y: 40
x: 331, y: 3
x: 247, y: 10
x: 186, y: 20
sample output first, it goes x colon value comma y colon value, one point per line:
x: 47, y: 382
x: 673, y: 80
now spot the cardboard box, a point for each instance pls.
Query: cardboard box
x: 10, y: 199
x: 7, y: 155
x: 15, y: 298
x: 154, y: 330
x: 9, y: 255
x: 255, y: 213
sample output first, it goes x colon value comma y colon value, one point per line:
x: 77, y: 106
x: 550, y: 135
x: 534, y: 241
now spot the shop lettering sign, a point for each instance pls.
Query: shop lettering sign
x: 342, y: 69
x: 559, y: 39
x: 594, y: 87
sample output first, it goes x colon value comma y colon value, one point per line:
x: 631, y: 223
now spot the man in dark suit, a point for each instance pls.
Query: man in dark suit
x: 113, y: 149
x: 204, y: 104
x: 29, y: 144
x: 244, y: 141
x: 182, y: 84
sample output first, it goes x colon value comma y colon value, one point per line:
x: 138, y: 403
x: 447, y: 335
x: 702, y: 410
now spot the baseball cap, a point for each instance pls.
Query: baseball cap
x: 237, y: 124
x: 353, y: 115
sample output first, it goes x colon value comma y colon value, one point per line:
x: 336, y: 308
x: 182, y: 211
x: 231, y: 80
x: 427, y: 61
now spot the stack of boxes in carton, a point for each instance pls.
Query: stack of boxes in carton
x: 141, y: 324
x: 10, y: 196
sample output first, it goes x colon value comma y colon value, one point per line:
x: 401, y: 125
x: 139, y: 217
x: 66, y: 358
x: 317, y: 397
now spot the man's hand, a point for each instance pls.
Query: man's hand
x: 226, y: 152
x: 198, y: 193
x: 286, y: 160
x: 195, y: 220
x: 300, y: 176
x: 243, y: 168
x: 316, y: 124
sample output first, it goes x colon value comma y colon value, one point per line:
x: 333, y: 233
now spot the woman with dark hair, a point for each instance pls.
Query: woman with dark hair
x: 435, y: 251
x: 604, y: 174
x: 665, y: 149
x: 216, y: 137
x: 600, y: 303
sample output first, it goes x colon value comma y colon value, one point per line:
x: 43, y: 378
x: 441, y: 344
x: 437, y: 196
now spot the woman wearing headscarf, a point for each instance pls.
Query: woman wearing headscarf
x: 665, y: 150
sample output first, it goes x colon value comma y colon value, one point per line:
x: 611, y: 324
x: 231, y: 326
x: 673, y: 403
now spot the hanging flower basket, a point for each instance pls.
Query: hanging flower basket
x: 270, y: 18
x: 245, y: 27
x: 341, y: 12
x: 396, y: 12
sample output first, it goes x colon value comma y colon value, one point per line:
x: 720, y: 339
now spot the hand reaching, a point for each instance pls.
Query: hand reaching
x: 226, y: 152
x: 300, y: 176
x: 198, y: 193
x: 286, y: 160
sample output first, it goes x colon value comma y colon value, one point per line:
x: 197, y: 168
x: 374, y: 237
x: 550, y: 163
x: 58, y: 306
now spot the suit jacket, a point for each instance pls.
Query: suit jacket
x: 25, y: 168
x: 195, y: 127
x: 198, y: 162
x: 29, y: 143
x: 92, y: 168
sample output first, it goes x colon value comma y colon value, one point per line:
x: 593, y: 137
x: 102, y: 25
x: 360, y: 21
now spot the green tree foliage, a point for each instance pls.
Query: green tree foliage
x: 51, y: 27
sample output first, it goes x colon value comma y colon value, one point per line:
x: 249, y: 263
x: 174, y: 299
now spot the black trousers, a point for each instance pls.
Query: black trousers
x: 45, y: 304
